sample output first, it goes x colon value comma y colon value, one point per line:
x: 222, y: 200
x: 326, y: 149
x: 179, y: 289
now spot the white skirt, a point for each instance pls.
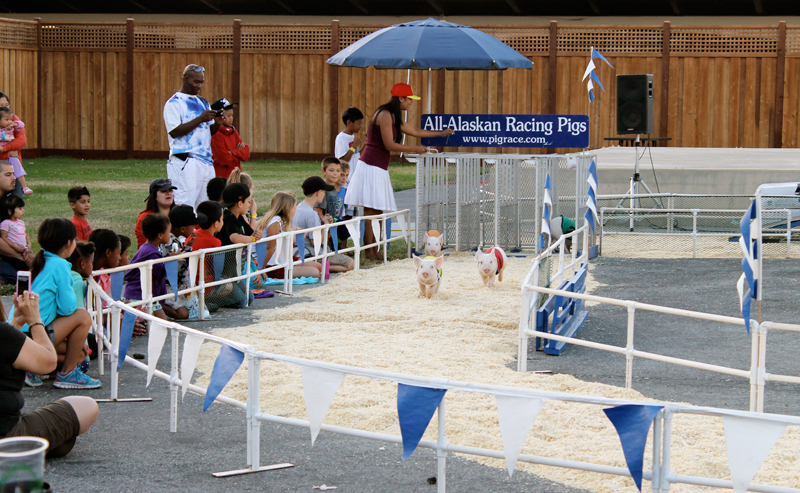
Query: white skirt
x: 370, y: 186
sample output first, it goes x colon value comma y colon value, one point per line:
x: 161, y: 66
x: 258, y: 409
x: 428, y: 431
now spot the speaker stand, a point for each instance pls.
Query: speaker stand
x: 632, y: 195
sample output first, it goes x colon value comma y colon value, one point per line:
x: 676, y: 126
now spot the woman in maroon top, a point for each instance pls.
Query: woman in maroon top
x: 370, y: 186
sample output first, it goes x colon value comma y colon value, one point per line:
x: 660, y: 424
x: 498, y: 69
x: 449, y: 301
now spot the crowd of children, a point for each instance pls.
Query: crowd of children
x: 70, y: 251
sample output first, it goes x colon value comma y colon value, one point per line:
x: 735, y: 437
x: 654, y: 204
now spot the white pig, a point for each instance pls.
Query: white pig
x: 434, y: 241
x: 429, y: 275
x: 491, y: 265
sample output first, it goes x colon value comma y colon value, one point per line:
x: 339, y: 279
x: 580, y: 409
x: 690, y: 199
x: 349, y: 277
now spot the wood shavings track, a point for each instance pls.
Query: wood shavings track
x: 374, y: 319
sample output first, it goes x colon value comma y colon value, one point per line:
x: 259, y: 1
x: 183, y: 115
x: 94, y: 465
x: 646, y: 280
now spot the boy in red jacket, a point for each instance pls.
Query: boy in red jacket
x: 226, y: 145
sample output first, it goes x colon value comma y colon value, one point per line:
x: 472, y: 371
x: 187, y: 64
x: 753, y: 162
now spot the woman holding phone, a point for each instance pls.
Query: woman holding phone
x: 60, y: 422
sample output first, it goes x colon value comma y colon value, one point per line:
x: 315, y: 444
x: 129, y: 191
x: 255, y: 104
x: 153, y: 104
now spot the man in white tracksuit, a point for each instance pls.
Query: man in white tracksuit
x: 190, y: 124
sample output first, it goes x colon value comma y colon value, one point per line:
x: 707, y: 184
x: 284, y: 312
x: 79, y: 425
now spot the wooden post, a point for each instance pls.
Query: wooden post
x: 129, y: 117
x: 665, y: 40
x: 780, y: 68
x: 39, y: 84
x: 334, y: 84
x: 440, y: 80
x: 552, y: 73
x: 236, y: 68
x: 553, y: 60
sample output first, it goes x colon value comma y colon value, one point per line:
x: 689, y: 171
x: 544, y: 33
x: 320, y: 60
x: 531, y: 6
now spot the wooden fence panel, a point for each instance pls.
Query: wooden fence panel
x: 18, y: 79
x: 722, y: 82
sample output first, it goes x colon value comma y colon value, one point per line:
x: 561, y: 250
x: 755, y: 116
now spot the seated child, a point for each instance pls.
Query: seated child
x: 12, y: 228
x: 156, y: 229
x: 305, y: 217
x: 215, y: 187
x: 12, y: 139
x: 82, y: 260
x: 278, y: 220
x: 80, y: 202
x: 227, y: 146
x: 238, y: 176
x: 231, y: 294
x: 236, y: 229
x: 331, y: 171
x: 183, y: 220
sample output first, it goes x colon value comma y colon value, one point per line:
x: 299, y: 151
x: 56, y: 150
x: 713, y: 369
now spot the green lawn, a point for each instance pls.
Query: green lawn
x: 119, y: 188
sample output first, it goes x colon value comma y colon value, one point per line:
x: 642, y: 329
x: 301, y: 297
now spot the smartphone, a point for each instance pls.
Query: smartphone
x: 23, y: 282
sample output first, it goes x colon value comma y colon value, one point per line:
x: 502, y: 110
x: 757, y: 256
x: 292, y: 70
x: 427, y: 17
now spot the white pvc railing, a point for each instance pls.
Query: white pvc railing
x: 756, y: 374
x: 642, y: 213
x: 660, y: 474
x: 530, y: 301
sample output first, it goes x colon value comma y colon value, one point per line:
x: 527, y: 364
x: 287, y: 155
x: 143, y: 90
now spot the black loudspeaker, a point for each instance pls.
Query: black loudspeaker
x: 635, y: 104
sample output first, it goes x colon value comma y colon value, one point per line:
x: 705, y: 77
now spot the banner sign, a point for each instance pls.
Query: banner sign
x: 567, y: 131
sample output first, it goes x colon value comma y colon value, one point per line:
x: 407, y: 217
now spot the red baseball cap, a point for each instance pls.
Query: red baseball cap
x: 403, y: 91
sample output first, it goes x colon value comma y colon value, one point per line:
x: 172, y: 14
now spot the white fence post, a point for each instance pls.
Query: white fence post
x: 656, y: 481
x: 762, y: 362
x: 666, y: 451
x: 694, y: 233
x: 201, y: 281
x: 357, y: 244
x: 629, y: 348
x: 385, y: 240
x: 754, y: 333
x: 114, y: 314
x: 441, y: 453
x: 173, y: 386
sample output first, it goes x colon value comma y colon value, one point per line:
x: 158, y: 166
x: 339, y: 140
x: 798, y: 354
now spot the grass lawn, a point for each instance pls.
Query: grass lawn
x: 119, y: 188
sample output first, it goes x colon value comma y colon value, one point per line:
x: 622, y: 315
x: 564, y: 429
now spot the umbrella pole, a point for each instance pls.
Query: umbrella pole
x: 429, y: 91
x: 405, y: 113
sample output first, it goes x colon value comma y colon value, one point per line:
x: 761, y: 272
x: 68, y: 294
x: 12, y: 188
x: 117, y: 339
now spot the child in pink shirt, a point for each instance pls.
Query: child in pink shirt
x: 12, y: 228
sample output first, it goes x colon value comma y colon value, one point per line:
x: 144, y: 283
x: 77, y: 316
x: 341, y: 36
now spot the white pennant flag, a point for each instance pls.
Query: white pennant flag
x: 157, y: 334
x: 354, y: 235
x: 749, y: 441
x: 191, y: 349
x: 589, y: 69
x: 401, y: 220
x: 319, y: 387
x: 376, y: 229
x: 316, y: 237
x: 516, y: 415
x: 193, y: 261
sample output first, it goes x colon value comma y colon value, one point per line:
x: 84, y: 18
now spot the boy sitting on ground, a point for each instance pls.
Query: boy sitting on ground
x: 315, y: 188
x: 182, y: 237
x: 81, y: 202
x: 156, y: 229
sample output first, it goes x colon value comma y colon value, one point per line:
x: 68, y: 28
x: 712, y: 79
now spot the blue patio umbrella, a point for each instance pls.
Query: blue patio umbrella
x: 430, y: 44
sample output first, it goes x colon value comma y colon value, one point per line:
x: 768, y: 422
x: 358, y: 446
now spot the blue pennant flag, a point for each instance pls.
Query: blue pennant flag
x: 750, y: 265
x: 547, y: 204
x: 591, y: 200
x: 363, y: 229
x: 228, y: 361
x: 595, y: 78
x: 301, y: 248
x: 591, y: 96
x: 172, y: 275
x: 596, y: 54
x: 219, y: 264
x: 261, y: 253
x: 117, y: 279
x: 632, y: 423
x: 335, y: 238
x: 388, y: 231
x: 415, y: 407
x: 125, y: 336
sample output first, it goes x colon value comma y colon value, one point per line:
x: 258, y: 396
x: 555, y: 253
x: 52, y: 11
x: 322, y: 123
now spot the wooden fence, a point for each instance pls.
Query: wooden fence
x: 98, y: 89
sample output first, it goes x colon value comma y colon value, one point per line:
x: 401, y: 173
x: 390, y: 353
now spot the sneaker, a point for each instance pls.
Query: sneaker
x: 26, y: 191
x: 32, y: 379
x: 76, y: 379
x: 84, y: 366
